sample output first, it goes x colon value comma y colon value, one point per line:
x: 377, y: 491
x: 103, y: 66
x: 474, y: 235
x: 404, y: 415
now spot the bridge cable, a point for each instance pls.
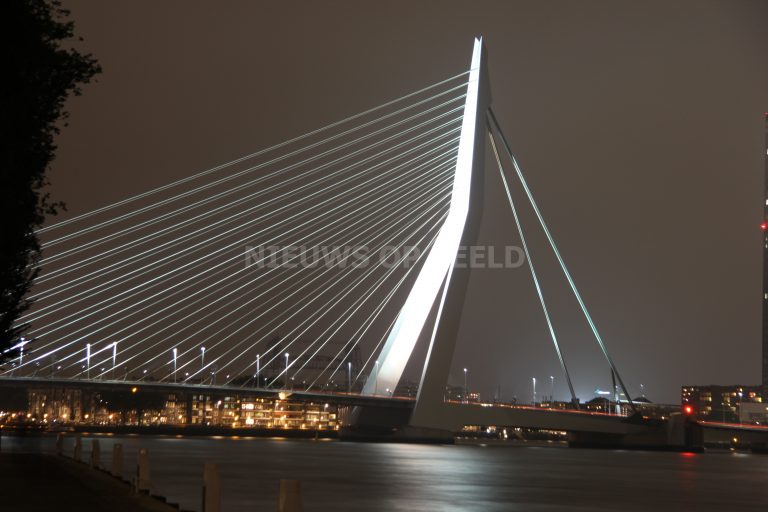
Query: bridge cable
x: 260, y: 179
x: 308, y: 303
x: 368, y: 294
x: 426, y: 222
x: 359, y: 281
x: 252, y: 155
x: 197, y: 293
x: 423, y: 214
x: 284, y: 286
x: 322, y: 289
x: 296, y: 165
x: 152, y: 251
x: 350, y: 201
x: 531, y: 267
x: 552, y: 244
x: 209, y: 241
x: 370, y: 321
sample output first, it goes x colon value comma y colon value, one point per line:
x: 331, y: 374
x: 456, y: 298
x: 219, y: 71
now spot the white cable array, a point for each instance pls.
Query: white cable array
x: 80, y: 248
x: 339, y: 296
x: 531, y: 266
x: 359, y: 305
x: 358, y: 335
x: 247, y: 286
x: 131, y: 245
x: 285, y: 288
x: 184, y: 280
x: 555, y: 250
x: 168, y: 307
x: 260, y: 179
x: 247, y: 157
x: 314, y: 279
x: 211, y: 240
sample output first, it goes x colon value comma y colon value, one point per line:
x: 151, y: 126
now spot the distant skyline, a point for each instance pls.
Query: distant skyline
x: 639, y: 126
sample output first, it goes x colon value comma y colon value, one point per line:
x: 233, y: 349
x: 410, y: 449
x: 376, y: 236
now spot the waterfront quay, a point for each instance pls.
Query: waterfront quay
x: 64, y: 403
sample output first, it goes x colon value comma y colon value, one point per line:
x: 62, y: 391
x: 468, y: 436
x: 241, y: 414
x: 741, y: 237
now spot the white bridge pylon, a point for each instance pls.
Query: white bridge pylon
x: 438, y: 279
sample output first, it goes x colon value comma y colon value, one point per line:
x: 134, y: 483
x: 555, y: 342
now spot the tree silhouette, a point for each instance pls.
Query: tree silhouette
x: 39, y: 72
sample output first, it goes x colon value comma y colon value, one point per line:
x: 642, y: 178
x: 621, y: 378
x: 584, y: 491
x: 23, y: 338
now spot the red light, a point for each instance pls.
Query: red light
x: 764, y: 226
x: 688, y: 409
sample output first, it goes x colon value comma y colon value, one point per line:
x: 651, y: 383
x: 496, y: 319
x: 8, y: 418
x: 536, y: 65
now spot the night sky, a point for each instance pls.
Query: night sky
x: 639, y: 126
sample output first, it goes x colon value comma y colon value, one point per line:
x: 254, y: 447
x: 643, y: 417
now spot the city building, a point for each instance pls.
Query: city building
x: 720, y: 403
x: 138, y: 407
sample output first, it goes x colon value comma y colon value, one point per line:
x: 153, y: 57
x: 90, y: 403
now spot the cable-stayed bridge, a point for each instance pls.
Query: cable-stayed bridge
x: 316, y: 265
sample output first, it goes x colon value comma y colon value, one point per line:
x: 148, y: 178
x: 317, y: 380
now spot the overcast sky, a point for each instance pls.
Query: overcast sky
x: 640, y: 126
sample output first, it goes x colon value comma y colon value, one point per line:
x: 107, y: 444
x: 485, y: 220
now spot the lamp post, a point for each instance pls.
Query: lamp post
x: 551, y: 390
x: 258, y: 371
x: 88, y: 360
x: 376, y: 380
x: 21, y: 351
x: 349, y: 376
x: 202, y: 365
x: 286, y: 370
x: 114, y: 358
x: 738, y: 409
x: 175, y: 353
x: 534, y: 391
x: 465, y: 386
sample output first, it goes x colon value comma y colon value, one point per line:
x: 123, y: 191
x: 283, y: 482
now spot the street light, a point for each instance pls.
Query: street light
x: 21, y: 351
x: 534, y: 391
x: 258, y: 370
x: 376, y: 380
x: 552, y: 390
x: 286, y: 370
x: 349, y: 376
x: 465, y: 385
x: 114, y: 358
x: 175, y: 353
x: 202, y: 364
x: 88, y: 360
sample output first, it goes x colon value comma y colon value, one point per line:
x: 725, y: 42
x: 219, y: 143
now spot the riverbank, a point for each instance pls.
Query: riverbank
x: 40, y: 482
x: 195, y: 430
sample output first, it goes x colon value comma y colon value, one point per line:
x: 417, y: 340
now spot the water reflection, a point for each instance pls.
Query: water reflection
x: 400, y: 477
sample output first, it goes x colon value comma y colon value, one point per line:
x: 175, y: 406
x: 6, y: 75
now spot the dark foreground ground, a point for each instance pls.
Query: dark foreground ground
x: 37, y: 482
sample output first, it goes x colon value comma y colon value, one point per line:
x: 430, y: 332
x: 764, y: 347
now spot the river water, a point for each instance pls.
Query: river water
x: 339, y: 476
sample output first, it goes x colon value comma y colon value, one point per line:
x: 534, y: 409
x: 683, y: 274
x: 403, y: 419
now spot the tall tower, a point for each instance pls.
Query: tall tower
x: 765, y: 268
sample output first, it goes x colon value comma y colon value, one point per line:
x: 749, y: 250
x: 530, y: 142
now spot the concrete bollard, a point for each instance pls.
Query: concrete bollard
x: 142, y: 471
x: 60, y: 443
x: 77, y: 455
x: 95, y: 453
x: 117, y: 460
x: 290, y: 497
x: 211, y: 488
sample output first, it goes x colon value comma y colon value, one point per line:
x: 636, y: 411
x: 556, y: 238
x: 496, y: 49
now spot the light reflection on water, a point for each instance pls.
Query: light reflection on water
x: 401, y: 477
